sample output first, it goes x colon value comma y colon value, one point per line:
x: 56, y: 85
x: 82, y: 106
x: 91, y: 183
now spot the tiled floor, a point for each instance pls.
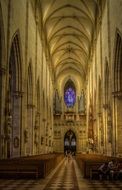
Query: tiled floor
x: 66, y: 176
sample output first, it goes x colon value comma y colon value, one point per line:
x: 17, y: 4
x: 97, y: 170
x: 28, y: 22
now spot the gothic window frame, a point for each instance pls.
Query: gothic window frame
x: 69, y: 94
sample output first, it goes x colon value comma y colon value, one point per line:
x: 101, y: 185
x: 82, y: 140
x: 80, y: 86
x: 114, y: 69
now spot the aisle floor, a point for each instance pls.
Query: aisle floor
x: 66, y: 176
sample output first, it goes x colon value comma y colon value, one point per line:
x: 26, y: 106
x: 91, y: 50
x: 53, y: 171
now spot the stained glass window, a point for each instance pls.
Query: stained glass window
x: 69, y: 97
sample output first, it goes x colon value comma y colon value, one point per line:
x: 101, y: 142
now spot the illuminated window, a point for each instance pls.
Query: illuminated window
x: 69, y: 96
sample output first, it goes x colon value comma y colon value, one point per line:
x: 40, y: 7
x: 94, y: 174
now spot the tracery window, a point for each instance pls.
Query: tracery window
x: 69, y: 97
x: 69, y: 94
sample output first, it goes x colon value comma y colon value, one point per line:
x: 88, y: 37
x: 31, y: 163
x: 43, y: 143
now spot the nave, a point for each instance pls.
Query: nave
x: 66, y: 176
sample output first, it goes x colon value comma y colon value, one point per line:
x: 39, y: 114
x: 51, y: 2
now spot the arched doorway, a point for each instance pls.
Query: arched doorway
x: 70, y: 142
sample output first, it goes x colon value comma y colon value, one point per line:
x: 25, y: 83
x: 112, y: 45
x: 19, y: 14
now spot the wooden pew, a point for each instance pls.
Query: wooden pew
x: 18, y: 171
x: 34, y: 166
x: 89, y: 164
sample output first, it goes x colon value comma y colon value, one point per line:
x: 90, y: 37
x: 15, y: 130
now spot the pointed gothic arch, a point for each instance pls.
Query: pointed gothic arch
x: 69, y: 93
x: 117, y: 94
x: 117, y: 64
x: 70, y: 141
x: 2, y: 84
x: 14, y: 107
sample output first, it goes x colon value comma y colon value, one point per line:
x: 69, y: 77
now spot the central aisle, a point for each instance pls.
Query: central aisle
x: 65, y: 177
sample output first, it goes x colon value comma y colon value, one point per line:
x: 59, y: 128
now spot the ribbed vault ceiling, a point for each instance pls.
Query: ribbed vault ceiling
x: 69, y: 28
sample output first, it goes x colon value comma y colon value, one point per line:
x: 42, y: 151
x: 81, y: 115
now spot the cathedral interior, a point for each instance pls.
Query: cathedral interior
x: 60, y: 87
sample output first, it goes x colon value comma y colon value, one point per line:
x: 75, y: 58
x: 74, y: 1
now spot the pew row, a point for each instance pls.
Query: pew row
x: 89, y: 164
x: 29, y: 167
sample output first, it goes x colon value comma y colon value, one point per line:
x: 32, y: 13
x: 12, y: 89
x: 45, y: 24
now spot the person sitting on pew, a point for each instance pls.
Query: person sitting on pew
x: 113, y: 169
x: 103, y: 171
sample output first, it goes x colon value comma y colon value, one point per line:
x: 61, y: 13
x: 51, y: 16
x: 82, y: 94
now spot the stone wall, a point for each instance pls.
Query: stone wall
x: 20, y: 19
x: 108, y: 110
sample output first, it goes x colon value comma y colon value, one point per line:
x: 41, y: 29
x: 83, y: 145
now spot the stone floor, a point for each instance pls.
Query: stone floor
x: 66, y: 176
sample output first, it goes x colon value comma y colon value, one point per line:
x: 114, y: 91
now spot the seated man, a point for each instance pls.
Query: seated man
x: 103, y: 171
x: 113, y: 169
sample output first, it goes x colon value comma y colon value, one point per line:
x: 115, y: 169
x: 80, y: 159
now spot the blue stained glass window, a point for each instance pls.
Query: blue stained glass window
x: 69, y: 97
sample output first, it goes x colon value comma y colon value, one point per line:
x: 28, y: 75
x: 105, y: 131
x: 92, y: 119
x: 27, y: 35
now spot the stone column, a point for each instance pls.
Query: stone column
x: 16, y: 123
x: 2, y: 111
x: 37, y: 133
x: 28, y: 133
x: 100, y: 134
x: 117, y: 123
